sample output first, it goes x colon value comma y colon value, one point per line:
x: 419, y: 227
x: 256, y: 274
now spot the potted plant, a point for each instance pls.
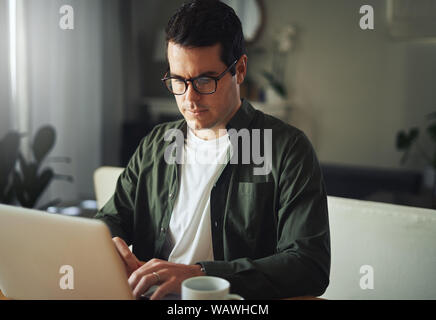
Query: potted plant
x: 21, y: 180
x: 283, y: 44
x: 407, y: 141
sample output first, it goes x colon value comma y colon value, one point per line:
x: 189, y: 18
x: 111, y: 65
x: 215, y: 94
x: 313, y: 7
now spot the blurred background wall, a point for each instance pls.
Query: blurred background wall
x: 351, y: 89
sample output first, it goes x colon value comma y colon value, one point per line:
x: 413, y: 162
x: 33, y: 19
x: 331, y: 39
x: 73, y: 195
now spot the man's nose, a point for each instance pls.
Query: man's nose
x: 191, y: 94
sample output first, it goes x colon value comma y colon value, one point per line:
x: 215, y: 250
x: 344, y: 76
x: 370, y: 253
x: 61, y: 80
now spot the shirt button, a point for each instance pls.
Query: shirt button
x: 216, y: 224
x: 162, y: 229
x: 171, y: 195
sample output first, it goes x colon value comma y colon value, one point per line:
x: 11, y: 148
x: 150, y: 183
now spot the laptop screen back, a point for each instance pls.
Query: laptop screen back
x: 49, y: 256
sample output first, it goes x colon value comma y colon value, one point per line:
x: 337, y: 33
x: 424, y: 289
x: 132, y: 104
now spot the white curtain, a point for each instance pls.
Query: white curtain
x: 5, y: 89
x: 62, y: 84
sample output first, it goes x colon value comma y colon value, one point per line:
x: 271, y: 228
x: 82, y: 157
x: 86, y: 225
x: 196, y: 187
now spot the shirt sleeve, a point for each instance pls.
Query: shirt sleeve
x: 301, y: 264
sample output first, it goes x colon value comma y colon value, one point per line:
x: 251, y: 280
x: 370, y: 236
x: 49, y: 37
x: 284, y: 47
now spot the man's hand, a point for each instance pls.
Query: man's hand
x: 131, y: 263
x: 169, y: 276
x: 142, y: 276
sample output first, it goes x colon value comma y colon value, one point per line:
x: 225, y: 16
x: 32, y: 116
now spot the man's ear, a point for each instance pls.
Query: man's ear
x: 241, y: 69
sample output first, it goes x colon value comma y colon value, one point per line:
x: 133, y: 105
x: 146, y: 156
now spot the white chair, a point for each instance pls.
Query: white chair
x: 381, y: 251
x: 105, y: 180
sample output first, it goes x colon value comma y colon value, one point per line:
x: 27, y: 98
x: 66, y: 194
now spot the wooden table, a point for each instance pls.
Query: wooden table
x: 2, y: 297
x: 305, y: 298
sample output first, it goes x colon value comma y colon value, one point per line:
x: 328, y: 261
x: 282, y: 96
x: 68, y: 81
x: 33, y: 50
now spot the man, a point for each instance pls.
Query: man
x: 265, y: 231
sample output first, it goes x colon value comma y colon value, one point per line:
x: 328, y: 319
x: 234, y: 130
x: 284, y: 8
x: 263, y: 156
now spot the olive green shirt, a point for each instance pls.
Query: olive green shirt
x: 270, y: 232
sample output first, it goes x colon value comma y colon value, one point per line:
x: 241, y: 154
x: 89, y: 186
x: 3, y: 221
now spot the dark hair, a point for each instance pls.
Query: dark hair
x: 203, y: 23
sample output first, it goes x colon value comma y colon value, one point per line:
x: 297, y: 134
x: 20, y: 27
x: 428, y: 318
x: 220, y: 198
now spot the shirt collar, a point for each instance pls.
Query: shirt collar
x: 243, y: 117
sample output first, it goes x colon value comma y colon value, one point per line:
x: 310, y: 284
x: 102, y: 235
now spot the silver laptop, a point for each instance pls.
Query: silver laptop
x: 50, y: 256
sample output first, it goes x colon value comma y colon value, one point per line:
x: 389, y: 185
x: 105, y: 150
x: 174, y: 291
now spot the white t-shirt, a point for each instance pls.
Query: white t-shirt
x: 189, y: 239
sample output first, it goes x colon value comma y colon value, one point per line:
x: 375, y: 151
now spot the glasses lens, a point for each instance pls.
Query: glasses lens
x: 205, y: 85
x: 175, y: 85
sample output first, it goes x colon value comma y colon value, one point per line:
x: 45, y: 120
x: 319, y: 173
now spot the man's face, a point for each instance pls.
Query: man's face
x: 201, y: 111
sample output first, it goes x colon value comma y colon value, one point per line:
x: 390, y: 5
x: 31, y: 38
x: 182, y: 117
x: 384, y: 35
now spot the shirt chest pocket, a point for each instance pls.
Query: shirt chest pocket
x: 253, y: 207
x: 250, y: 222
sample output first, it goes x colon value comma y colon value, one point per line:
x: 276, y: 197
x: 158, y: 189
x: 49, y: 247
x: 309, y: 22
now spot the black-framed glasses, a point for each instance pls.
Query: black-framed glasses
x: 201, y: 84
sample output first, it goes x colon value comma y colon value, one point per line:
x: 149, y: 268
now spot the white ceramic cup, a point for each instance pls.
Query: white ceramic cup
x: 207, y: 288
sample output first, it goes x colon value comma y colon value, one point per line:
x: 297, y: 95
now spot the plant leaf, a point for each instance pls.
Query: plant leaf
x: 43, y: 180
x: 405, y: 140
x: 43, y: 143
x: 402, y: 142
x: 276, y: 85
x: 413, y: 134
x: 431, y: 130
x: 9, y: 146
